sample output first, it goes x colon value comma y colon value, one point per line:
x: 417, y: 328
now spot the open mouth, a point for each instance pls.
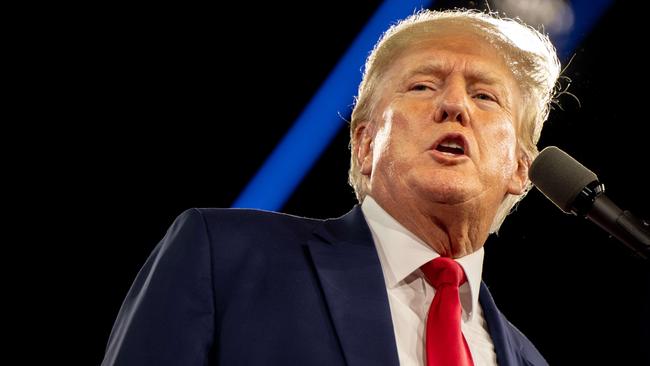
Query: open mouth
x: 452, y: 145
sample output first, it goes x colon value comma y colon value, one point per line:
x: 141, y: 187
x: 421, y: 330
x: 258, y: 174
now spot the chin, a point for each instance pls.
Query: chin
x: 447, y: 196
x: 450, y: 189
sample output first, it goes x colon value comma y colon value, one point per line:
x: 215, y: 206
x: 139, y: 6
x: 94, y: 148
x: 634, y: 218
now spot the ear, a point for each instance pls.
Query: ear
x: 364, y: 137
x: 519, y: 180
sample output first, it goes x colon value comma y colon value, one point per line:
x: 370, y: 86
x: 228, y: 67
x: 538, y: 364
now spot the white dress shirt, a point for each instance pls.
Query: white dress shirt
x: 401, y: 254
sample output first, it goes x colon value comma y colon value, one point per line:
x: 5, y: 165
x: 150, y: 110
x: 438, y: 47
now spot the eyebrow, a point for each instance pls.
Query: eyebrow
x: 473, y: 74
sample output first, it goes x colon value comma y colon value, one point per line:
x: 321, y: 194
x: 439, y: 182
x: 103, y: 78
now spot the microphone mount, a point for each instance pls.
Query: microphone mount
x: 585, y: 199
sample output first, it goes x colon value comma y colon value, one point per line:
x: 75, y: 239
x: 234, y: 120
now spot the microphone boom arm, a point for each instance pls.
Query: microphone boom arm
x: 621, y: 224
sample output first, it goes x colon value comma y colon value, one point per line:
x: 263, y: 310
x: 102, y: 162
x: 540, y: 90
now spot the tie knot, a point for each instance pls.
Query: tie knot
x: 444, y: 271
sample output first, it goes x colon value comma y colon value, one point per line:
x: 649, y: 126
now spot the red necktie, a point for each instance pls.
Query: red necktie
x: 445, y: 343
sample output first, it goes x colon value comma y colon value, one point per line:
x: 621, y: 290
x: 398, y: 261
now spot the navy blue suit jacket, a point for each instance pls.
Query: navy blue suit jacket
x: 246, y: 287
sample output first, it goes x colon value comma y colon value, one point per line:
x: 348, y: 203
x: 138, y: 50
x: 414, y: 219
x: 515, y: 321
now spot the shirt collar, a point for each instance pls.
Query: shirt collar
x: 402, y: 253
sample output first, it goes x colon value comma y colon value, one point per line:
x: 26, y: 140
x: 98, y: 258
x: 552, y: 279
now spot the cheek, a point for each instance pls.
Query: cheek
x: 500, y: 150
x: 394, y: 141
x: 381, y: 143
x: 409, y: 120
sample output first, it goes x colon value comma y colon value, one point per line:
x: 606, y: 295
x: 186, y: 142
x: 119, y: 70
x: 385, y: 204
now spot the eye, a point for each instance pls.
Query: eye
x: 421, y: 87
x: 485, y: 96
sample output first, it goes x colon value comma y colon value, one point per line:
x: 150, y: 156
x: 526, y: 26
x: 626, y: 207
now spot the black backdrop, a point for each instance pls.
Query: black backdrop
x: 171, y: 107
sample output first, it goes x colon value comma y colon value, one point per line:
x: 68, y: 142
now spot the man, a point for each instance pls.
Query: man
x: 448, y: 114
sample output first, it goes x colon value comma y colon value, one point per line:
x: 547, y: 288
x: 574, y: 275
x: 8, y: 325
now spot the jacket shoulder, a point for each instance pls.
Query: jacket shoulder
x: 241, y: 226
x: 243, y: 217
x: 249, y: 215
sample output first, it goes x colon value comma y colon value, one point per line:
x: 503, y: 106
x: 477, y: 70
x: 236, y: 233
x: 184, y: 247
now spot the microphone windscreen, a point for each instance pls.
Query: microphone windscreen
x: 559, y: 176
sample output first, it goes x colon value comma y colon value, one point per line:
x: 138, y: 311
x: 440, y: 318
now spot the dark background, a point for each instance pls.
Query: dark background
x: 150, y: 110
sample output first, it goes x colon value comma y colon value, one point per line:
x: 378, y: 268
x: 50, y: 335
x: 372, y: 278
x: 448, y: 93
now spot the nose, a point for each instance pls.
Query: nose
x: 452, y: 104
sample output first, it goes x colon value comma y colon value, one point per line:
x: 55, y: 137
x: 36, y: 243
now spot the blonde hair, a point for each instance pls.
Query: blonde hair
x: 529, y: 53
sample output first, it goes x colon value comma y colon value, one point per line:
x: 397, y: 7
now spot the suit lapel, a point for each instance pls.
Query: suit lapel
x: 495, y: 322
x: 350, y: 275
x: 510, y: 345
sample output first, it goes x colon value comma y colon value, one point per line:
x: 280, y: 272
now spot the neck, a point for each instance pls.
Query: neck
x: 451, y: 230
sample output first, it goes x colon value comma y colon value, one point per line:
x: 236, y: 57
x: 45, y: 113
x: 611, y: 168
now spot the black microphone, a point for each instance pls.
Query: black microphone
x: 576, y: 190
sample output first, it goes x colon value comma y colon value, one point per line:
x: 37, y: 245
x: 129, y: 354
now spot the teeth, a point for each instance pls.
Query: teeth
x: 452, y: 144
